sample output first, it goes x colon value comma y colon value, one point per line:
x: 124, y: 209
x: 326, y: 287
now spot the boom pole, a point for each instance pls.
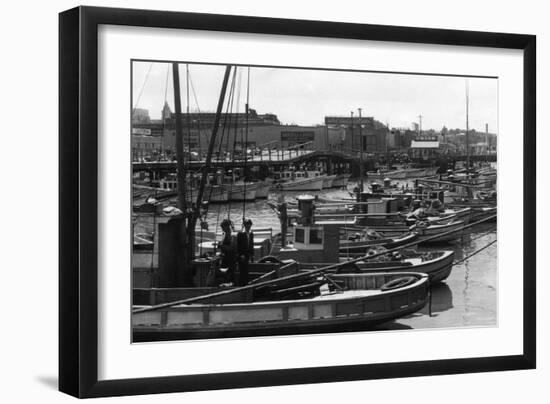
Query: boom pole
x: 212, y: 140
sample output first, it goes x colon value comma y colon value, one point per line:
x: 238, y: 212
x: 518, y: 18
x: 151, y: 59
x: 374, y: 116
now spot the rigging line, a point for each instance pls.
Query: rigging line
x: 199, y: 130
x: 198, y: 110
x: 220, y: 145
x: 188, y: 111
x: 482, y: 235
x: 142, y: 88
x: 228, y: 138
x: 165, y: 102
x: 246, y: 135
x: 235, y: 131
x: 166, y: 84
x: 475, y: 252
x: 154, y: 236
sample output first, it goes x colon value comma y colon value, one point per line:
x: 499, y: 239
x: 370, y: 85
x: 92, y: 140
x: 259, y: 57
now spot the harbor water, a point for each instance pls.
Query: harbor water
x: 468, y: 297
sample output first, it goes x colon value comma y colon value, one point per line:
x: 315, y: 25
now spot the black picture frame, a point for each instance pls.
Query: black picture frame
x: 78, y: 206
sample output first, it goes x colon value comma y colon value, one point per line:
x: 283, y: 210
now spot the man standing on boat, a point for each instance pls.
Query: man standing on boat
x: 245, y: 251
x: 228, y: 256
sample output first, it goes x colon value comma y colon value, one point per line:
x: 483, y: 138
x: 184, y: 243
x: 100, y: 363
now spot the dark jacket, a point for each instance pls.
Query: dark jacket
x: 228, y: 253
x: 245, y: 245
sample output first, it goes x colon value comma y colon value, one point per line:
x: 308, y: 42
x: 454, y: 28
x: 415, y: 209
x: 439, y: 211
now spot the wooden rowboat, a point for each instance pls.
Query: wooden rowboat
x: 361, y: 245
x: 436, y: 264
x: 430, y: 230
x: 363, y: 301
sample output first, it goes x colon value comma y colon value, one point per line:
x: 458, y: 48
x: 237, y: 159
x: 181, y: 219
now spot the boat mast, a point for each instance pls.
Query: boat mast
x: 182, y: 203
x: 188, y: 232
x: 361, y: 147
x: 467, y: 129
x: 246, y: 137
x: 184, y: 252
x: 188, y: 112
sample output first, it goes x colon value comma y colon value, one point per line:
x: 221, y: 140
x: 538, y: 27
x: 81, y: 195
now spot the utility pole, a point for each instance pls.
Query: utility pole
x: 351, y: 130
x: 388, y: 132
x: 420, y: 125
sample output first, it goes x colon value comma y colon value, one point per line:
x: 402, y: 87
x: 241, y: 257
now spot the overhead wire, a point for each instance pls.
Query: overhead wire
x: 142, y: 88
x: 235, y: 136
x: 246, y: 138
x: 229, y: 119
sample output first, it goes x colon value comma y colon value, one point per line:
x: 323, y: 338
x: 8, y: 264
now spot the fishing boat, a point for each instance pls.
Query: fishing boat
x: 315, y: 243
x: 360, y: 242
x: 483, y: 212
x: 340, y: 181
x: 401, y: 173
x: 213, y: 191
x: 436, y: 264
x: 335, y: 302
x: 328, y: 181
x: 438, y: 216
x: 263, y: 187
x: 241, y: 191
x: 428, y: 230
x: 298, y: 181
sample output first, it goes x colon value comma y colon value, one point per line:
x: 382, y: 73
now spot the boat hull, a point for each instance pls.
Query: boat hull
x: 438, y: 269
x: 340, y: 181
x: 242, y: 193
x: 262, y: 190
x: 433, y: 230
x: 307, y: 184
x: 361, y: 246
x: 347, y: 312
x: 328, y: 181
x: 403, y: 173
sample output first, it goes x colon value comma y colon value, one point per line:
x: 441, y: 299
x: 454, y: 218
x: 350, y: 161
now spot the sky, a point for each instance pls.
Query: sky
x: 305, y: 97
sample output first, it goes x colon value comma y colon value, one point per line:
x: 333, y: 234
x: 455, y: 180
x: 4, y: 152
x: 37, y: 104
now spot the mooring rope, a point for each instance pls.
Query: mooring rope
x: 474, y: 253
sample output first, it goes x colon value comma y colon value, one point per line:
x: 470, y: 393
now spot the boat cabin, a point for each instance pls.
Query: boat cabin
x: 295, y: 175
x: 312, y: 241
x: 170, y: 182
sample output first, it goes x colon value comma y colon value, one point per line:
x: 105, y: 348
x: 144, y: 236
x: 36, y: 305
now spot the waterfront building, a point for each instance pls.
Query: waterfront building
x: 424, y: 148
x: 367, y: 134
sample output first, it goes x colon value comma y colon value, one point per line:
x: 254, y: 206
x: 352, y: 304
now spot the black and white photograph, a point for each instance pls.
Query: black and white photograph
x: 280, y: 200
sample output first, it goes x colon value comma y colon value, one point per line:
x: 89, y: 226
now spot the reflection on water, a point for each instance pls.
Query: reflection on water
x: 441, y: 299
x: 467, y: 298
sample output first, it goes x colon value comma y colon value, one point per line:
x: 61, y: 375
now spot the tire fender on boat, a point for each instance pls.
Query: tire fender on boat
x: 398, y: 283
x: 269, y: 258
